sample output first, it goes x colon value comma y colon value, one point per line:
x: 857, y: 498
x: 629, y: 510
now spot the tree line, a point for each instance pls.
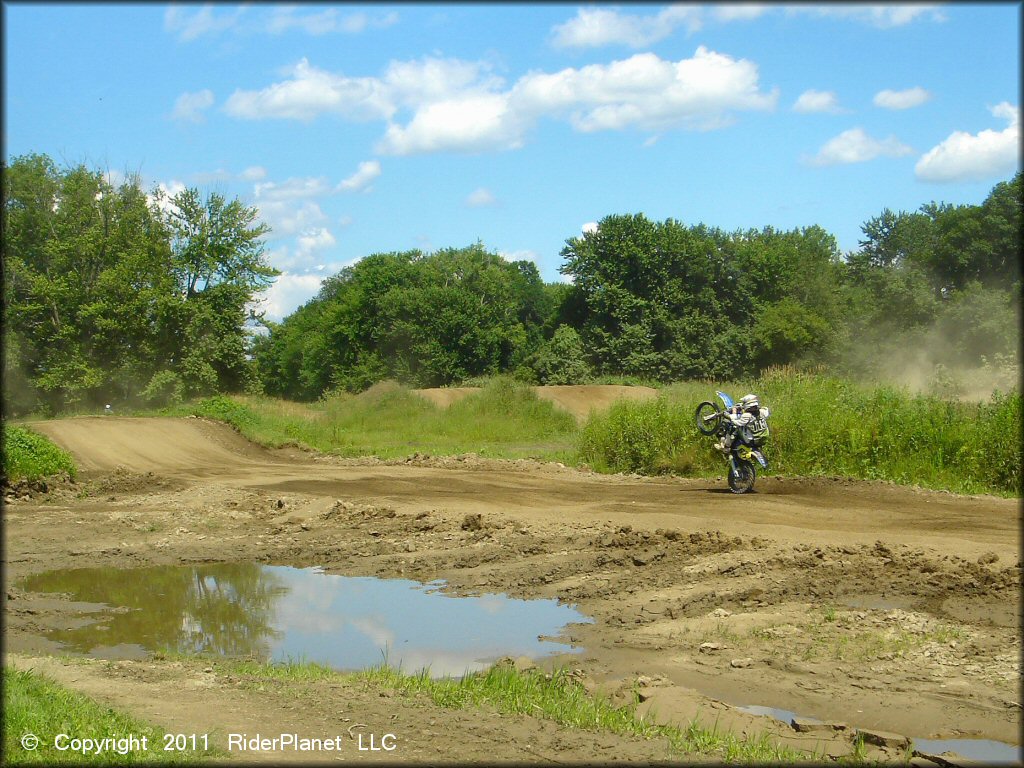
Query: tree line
x: 113, y: 295
x: 110, y: 293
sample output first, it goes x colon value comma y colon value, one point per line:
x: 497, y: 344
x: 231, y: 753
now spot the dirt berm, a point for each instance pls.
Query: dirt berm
x: 862, y: 604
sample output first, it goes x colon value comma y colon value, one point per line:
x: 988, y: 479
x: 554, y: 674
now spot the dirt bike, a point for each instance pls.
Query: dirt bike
x: 711, y: 420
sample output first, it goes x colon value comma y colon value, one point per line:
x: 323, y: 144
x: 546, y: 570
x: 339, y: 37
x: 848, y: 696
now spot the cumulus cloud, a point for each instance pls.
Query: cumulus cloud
x: 289, y: 217
x: 592, y: 27
x: 189, y: 107
x: 880, y: 16
x: 817, y: 101
x: 480, y: 198
x: 466, y: 124
x: 309, y: 92
x: 648, y: 92
x: 975, y: 157
x: 912, y: 97
x: 462, y: 107
x: 313, y: 240
x: 589, y: 227
x: 287, y: 293
x: 362, y: 178
x: 856, y: 146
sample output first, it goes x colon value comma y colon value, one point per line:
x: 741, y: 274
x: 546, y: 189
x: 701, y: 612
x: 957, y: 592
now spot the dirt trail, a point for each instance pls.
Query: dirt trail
x: 883, y: 607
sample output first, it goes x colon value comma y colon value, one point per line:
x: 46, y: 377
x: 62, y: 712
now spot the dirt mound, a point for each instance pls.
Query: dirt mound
x: 104, y: 443
x: 579, y: 400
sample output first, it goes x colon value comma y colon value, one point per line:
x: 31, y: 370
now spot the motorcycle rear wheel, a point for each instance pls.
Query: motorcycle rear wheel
x: 747, y: 476
x: 708, y: 418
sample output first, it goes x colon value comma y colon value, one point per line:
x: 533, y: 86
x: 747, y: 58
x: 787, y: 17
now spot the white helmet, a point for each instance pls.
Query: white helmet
x: 749, y: 402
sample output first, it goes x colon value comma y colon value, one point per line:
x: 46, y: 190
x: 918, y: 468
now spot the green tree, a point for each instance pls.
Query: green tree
x: 107, y: 299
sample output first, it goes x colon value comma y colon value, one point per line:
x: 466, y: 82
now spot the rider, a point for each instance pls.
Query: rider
x: 748, y: 420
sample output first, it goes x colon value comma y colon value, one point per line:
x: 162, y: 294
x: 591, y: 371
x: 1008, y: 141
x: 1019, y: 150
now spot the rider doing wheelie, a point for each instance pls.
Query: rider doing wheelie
x: 748, y: 424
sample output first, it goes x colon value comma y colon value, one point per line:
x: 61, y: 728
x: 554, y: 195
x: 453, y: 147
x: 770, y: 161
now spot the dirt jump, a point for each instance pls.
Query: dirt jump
x: 853, y: 605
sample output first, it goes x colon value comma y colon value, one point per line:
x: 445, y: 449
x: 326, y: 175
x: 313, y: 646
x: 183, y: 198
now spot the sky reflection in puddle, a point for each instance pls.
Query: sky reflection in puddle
x: 280, y: 613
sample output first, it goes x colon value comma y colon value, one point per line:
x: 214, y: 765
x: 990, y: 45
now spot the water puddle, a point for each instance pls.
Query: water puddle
x: 276, y: 613
x: 877, y: 602
x: 982, y: 750
x: 779, y: 714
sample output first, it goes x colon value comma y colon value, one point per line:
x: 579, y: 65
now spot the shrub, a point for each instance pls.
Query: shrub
x: 28, y: 455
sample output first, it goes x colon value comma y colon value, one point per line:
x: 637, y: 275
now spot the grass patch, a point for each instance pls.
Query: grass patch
x: 30, y: 456
x: 34, y: 704
x: 504, y: 420
x: 560, y: 698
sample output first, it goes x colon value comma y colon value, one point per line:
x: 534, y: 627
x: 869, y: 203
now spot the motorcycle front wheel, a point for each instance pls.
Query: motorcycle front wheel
x: 745, y: 480
x: 707, y: 417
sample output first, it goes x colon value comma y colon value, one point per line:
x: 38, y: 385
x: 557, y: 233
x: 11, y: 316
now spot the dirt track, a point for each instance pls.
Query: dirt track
x: 881, y: 607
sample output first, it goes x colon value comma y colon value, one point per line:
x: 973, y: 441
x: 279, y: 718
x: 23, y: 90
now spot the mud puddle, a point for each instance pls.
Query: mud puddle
x: 982, y: 750
x: 282, y: 613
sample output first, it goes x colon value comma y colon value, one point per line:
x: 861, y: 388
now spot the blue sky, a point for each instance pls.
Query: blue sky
x: 362, y: 129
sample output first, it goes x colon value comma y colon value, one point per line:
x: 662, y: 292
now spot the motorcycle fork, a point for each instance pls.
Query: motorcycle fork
x: 732, y: 464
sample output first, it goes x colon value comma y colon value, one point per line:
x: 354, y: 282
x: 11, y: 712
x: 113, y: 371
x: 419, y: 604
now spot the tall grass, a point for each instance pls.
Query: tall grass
x: 505, y: 419
x: 30, y: 456
x: 822, y: 425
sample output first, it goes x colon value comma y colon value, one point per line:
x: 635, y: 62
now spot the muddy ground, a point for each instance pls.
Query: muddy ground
x: 865, y: 605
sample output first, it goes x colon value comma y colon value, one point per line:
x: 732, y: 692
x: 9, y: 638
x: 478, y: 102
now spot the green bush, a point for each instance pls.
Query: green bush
x: 224, y: 408
x: 822, y: 425
x: 28, y: 455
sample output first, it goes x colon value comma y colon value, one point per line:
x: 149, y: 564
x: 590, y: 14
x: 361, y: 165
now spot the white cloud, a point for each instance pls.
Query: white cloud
x: 292, y: 189
x: 190, y: 106
x: 313, y: 240
x: 466, y: 124
x: 648, y: 92
x: 310, y: 92
x: 362, y: 178
x: 592, y: 27
x: 287, y: 293
x: 975, y: 157
x: 429, y: 80
x: 480, y: 198
x: 856, y: 146
x: 254, y: 173
x: 189, y: 26
x: 912, y: 97
x: 287, y: 218
x: 462, y: 107
x: 880, y: 16
x: 817, y: 101
x: 589, y: 228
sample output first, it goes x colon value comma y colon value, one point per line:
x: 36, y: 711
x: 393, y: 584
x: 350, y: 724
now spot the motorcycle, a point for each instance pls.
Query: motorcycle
x: 712, y: 421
